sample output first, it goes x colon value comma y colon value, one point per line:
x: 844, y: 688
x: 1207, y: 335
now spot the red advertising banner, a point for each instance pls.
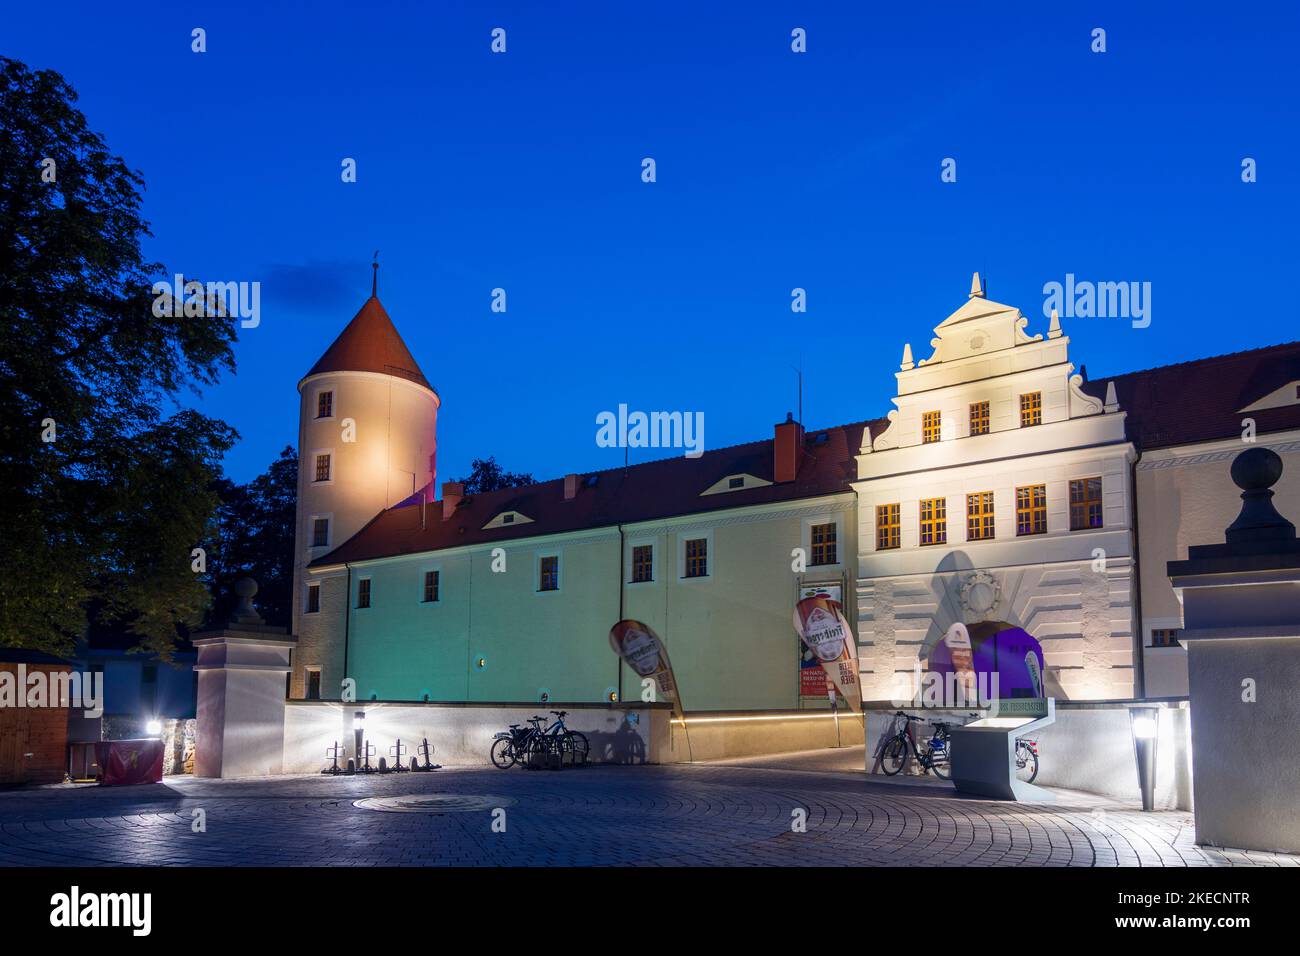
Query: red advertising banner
x: 820, y: 623
x: 123, y: 762
x: 643, y: 651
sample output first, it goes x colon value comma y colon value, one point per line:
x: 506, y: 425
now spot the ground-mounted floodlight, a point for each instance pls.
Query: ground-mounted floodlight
x: 1145, y: 722
x: 153, y: 728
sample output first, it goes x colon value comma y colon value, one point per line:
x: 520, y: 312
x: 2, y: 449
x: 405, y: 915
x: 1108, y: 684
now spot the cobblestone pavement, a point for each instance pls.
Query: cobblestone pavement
x: 709, y: 815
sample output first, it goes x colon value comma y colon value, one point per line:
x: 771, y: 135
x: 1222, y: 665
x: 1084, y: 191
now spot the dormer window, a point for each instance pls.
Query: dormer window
x: 736, y: 482
x: 739, y: 482
x: 507, y: 519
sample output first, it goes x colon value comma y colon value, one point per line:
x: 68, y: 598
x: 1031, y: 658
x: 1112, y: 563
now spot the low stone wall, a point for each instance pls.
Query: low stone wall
x: 718, y: 735
x: 461, y: 733
x: 1090, y: 748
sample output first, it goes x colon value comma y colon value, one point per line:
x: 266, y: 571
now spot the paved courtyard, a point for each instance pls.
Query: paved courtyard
x: 733, y: 813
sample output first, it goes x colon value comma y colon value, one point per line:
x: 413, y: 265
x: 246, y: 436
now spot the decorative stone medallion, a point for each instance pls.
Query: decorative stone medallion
x: 980, y: 594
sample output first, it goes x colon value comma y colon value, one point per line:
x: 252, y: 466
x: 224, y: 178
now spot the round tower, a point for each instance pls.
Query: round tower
x: 367, y: 434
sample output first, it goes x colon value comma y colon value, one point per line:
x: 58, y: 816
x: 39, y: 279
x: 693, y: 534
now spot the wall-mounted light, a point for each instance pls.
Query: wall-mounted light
x: 1145, y: 722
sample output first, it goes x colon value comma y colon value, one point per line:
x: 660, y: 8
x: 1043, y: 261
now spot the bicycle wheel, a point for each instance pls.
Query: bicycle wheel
x: 940, y: 762
x: 1026, y: 765
x: 894, y: 755
x: 503, y: 753
x: 576, y: 744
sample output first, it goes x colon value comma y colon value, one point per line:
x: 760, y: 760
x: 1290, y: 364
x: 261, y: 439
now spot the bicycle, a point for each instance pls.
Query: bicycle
x: 933, y: 756
x: 571, y: 742
x: 1026, y: 759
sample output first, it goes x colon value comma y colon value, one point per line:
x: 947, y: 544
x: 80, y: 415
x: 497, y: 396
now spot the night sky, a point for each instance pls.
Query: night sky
x: 775, y: 170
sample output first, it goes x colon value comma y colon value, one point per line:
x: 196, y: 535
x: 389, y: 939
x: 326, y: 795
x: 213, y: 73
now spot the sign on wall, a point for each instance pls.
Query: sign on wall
x: 825, y: 632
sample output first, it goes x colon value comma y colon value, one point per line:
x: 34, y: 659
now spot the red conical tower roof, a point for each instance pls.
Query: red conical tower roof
x: 370, y: 343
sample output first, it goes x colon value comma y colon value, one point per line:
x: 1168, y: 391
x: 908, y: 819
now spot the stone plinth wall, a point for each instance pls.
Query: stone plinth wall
x: 1090, y: 748
x: 722, y: 734
x: 460, y: 733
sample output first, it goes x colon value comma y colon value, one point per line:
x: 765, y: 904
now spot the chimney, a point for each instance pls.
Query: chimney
x: 787, y: 450
x: 570, y: 487
x: 452, y: 493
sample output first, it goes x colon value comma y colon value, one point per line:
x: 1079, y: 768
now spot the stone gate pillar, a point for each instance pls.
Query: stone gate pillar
x: 1241, y: 614
x: 242, y: 670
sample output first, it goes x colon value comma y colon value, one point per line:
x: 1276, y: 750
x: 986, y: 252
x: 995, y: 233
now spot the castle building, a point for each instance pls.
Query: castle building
x: 1003, y: 486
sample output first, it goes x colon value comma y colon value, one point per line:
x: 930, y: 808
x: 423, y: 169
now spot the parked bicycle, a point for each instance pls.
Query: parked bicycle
x: 539, y: 745
x: 931, y: 755
x: 1026, y: 759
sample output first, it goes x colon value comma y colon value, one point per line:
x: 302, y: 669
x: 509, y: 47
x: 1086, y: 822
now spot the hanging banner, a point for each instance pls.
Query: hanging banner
x: 642, y: 650
x: 824, y: 630
x: 813, y: 685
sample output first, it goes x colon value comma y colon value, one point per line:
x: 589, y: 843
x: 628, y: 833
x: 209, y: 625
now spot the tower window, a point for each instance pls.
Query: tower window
x: 979, y: 418
x: 430, y: 586
x: 934, y: 521
x: 320, y: 532
x: 325, y: 405
x: 363, y: 593
x: 1085, y: 504
x: 1031, y: 409
x: 313, y: 683
x: 548, y: 573
x: 313, y: 598
x: 1031, y: 510
x: 930, y: 427
x: 888, y: 527
x: 322, y: 467
x: 643, y: 563
x: 979, y: 516
x: 823, y: 544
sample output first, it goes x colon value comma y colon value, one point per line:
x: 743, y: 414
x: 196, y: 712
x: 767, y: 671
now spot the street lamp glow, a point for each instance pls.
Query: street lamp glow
x: 1144, y: 728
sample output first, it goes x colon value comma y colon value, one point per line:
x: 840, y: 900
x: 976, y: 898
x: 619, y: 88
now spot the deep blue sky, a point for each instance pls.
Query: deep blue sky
x: 775, y: 170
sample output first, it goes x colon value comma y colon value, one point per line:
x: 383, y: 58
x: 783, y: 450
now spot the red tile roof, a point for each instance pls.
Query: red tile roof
x: 1171, y: 405
x: 1202, y: 400
x: 370, y: 343
x: 666, y: 488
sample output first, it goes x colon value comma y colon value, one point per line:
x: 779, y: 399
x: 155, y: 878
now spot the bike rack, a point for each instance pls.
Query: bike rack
x: 334, y: 753
x: 984, y: 751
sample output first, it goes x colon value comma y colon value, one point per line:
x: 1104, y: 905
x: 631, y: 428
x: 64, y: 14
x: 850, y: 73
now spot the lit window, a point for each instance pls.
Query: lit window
x: 823, y: 544
x: 320, y: 532
x: 979, y: 418
x: 697, y: 558
x: 979, y: 516
x: 325, y: 405
x: 322, y: 467
x: 363, y: 592
x: 1031, y: 510
x: 934, y: 521
x: 1085, y: 504
x: 313, y: 598
x: 1031, y: 409
x: 929, y: 427
x: 643, y: 563
x: 430, y: 586
x: 548, y: 573
x: 889, y: 527
x: 1165, y: 637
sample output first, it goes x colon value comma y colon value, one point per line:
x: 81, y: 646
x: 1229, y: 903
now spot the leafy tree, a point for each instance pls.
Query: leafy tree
x: 486, y: 475
x: 106, y: 495
x: 254, y: 536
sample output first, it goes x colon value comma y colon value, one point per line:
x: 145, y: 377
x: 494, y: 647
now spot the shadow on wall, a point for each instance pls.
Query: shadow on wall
x: 624, y: 746
x: 950, y: 612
